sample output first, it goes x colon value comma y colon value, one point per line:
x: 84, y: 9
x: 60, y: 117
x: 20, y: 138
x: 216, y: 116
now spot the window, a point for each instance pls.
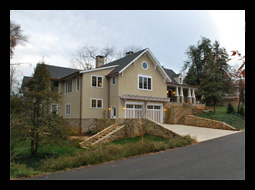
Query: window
x: 68, y: 86
x: 97, y: 81
x: 54, y: 109
x: 180, y: 79
x: 96, y: 103
x: 145, y: 82
x: 144, y: 65
x: 94, y: 81
x: 93, y: 103
x: 78, y: 83
x: 114, y: 80
x: 68, y: 109
x: 55, y: 85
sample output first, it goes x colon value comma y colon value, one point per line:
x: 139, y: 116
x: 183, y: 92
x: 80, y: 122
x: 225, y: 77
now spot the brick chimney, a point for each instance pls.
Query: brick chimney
x: 99, y: 61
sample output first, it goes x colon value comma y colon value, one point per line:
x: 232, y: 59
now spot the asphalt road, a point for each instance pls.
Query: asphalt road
x: 221, y: 158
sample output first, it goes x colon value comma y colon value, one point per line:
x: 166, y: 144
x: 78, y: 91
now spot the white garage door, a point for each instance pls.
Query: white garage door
x: 155, y: 113
x: 134, y: 111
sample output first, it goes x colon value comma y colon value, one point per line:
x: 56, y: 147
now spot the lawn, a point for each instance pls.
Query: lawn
x: 69, y: 155
x: 235, y: 120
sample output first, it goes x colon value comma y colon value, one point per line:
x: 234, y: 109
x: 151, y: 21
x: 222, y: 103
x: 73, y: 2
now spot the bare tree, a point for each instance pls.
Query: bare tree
x: 133, y: 48
x: 84, y: 57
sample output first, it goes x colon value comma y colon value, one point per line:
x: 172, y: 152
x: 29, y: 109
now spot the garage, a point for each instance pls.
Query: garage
x: 154, y: 112
x: 136, y: 110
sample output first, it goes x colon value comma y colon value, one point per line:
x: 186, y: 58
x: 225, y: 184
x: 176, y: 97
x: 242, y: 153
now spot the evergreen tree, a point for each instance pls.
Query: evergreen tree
x: 198, y: 56
x: 214, y: 81
x: 38, y: 98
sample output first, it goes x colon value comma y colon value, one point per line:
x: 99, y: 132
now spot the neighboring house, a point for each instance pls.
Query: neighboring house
x: 135, y: 86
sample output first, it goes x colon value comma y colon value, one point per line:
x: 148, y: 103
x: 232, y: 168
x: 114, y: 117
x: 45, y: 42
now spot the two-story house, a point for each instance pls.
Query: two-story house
x: 135, y: 86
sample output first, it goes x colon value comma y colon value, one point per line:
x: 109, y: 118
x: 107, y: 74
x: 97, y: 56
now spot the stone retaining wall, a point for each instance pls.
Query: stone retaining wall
x: 176, y: 112
x: 208, y: 123
x: 133, y: 127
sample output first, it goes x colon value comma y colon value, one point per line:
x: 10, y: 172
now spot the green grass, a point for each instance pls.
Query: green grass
x: 235, y: 120
x: 70, y: 155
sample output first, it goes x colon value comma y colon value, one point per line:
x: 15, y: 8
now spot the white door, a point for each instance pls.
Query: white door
x: 113, y: 112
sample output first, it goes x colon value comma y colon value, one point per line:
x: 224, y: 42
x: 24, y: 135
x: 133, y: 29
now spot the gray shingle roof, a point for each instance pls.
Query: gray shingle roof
x: 57, y: 72
x: 122, y: 62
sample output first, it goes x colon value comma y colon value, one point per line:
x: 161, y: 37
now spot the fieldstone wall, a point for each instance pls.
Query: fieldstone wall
x: 133, y: 127
x: 175, y: 112
x: 89, y: 124
x: 208, y: 123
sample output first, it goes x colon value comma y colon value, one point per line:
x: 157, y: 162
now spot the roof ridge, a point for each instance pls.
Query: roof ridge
x: 62, y: 67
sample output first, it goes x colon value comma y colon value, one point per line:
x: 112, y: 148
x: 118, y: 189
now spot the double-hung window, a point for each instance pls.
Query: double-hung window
x: 68, y: 86
x: 68, y: 109
x: 144, y: 82
x: 97, y: 81
x: 78, y: 83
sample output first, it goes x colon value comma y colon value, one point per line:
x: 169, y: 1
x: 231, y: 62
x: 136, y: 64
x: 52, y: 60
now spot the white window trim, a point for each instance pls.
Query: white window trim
x: 97, y: 81
x: 51, y: 108
x: 147, y: 65
x: 66, y: 86
x: 139, y: 75
x: 69, y: 109
x: 180, y: 80
x: 78, y: 78
x: 96, y: 103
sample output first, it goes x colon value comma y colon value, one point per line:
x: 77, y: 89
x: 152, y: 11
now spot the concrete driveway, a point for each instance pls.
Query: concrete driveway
x: 199, y: 133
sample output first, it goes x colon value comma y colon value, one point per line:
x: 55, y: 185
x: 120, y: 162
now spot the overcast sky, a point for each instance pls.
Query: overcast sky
x: 57, y: 34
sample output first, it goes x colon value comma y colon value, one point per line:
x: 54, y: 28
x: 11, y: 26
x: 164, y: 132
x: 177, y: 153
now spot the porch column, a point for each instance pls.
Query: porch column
x: 189, y: 96
x: 194, y: 96
x: 181, y: 95
x: 177, y: 94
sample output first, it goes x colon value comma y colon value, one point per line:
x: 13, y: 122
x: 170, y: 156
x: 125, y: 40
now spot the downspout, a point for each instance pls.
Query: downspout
x: 81, y: 103
x: 108, y: 97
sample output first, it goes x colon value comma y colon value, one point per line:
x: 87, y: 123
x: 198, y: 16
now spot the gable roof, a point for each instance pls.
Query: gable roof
x: 57, y: 72
x: 171, y: 74
x: 124, y: 62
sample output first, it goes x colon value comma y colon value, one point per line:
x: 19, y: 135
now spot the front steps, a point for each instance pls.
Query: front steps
x: 102, y: 136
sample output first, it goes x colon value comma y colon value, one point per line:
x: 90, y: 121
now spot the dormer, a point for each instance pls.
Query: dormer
x: 178, y: 78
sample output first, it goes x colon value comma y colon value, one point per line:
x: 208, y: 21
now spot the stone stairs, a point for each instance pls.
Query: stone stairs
x: 101, y: 136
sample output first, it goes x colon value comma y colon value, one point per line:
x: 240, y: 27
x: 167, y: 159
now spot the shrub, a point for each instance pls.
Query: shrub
x: 104, y: 153
x: 230, y: 108
x: 21, y: 170
x: 242, y: 111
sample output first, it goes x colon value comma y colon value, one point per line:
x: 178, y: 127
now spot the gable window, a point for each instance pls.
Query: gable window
x: 68, y: 86
x: 145, y: 82
x: 145, y: 65
x: 96, y: 103
x: 68, y: 109
x: 97, y: 81
x: 180, y: 79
